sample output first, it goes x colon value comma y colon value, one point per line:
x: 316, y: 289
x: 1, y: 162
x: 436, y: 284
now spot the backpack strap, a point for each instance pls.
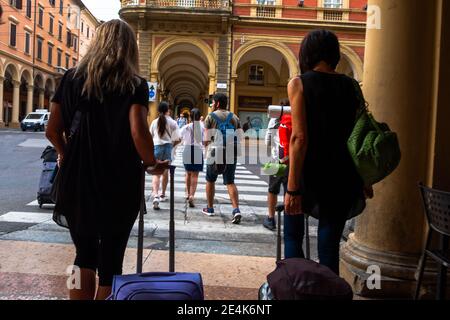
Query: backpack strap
x: 229, y: 118
x: 216, y: 118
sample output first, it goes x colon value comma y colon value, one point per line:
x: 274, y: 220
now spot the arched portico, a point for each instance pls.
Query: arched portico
x: 184, y: 67
x: 275, y: 55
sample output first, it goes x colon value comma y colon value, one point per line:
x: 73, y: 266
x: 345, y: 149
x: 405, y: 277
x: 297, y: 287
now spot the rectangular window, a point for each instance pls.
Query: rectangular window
x: 75, y: 43
x: 50, y: 28
x: 69, y: 38
x: 266, y: 2
x: 88, y: 32
x: 67, y: 61
x: 59, y: 58
x: 52, y: 2
x: 82, y: 26
x: 13, y: 35
x: 41, y: 17
x: 60, y: 31
x: 29, y: 4
x: 74, y: 63
x: 61, y: 7
x: 256, y: 74
x: 16, y: 4
x: 50, y: 54
x: 27, y: 42
x: 332, y: 4
x: 39, y: 48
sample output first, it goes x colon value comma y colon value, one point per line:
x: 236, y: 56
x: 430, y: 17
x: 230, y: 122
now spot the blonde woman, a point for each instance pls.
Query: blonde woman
x: 99, y: 128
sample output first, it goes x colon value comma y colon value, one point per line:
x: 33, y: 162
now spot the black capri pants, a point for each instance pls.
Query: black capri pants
x: 104, y: 253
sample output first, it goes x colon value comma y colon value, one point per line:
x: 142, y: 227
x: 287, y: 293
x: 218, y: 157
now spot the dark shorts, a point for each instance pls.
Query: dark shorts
x: 275, y: 184
x: 104, y: 253
x: 193, y: 167
x: 193, y: 159
x: 228, y: 175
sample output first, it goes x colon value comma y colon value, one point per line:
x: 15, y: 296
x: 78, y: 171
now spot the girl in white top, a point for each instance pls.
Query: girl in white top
x: 192, y: 138
x: 166, y: 136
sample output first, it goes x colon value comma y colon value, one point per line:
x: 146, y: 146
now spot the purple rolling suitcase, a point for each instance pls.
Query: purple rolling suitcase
x: 158, y: 285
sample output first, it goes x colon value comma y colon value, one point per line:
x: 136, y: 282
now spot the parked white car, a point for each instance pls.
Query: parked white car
x: 35, y: 120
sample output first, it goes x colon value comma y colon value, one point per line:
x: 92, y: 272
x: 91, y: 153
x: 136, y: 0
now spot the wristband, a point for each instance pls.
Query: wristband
x: 294, y: 193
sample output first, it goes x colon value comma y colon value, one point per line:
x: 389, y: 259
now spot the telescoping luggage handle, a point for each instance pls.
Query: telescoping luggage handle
x: 279, y: 209
x: 143, y: 211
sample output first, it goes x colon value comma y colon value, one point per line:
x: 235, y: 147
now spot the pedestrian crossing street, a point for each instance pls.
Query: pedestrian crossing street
x: 252, y: 189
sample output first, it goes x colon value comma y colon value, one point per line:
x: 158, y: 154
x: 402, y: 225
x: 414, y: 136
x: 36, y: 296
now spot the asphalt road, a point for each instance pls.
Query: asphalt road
x: 20, y: 168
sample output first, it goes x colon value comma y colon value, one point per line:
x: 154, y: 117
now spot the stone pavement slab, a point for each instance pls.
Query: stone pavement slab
x: 32, y: 270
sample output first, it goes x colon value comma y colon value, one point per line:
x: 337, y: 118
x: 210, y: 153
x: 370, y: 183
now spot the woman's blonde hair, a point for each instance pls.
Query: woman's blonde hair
x: 112, y: 61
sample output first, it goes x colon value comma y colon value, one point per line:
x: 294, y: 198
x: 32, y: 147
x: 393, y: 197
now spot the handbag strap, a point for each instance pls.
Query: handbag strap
x: 75, y: 125
x: 364, y: 108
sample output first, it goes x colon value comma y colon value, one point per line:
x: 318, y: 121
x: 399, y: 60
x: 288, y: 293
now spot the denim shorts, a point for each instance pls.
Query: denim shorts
x: 228, y: 175
x: 164, y: 152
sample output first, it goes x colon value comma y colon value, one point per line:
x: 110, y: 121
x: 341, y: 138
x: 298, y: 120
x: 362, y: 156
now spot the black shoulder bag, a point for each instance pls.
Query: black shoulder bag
x: 59, y: 217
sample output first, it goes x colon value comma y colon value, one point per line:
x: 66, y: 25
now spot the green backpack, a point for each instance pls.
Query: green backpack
x: 373, y: 146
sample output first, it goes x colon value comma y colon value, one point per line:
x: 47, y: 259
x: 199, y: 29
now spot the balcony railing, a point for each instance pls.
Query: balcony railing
x: 333, y: 15
x: 194, y: 4
x: 269, y: 11
x: 265, y: 12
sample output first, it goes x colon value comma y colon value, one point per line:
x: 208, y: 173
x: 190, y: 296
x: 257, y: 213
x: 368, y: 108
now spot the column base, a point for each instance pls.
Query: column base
x: 398, y: 272
x: 14, y: 125
x: 2, y: 124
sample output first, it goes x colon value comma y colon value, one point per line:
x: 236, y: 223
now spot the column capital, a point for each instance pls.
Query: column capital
x: 41, y: 90
x: 2, y: 78
x: 16, y: 83
x: 30, y: 87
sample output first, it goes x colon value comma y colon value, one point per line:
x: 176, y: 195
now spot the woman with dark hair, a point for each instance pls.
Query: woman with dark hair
x: 323, y: 180
x: 165, y: 135
x: 100, y: 131
x: 192, y: 138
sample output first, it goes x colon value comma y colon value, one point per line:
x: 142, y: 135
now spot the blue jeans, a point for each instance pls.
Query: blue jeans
x: 163, y: 152
x: 328, y: 239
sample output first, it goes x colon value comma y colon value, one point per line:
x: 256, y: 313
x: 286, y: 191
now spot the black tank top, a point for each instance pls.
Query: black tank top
x: 329, y: 176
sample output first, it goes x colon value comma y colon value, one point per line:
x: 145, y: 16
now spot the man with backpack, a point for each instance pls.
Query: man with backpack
x: 222, y: 138
x: 278, y: 137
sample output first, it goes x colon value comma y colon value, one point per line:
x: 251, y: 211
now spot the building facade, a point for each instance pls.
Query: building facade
x: 88, y: 25
x: 247, y: 49
x: 38, y: 42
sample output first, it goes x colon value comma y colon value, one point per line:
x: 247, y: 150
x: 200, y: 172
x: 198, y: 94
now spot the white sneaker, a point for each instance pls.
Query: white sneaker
x: 156, y: 203
x: 162, y: 198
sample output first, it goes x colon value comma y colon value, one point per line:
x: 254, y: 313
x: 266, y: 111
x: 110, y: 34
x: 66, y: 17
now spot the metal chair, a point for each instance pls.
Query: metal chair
x: 437, y: 209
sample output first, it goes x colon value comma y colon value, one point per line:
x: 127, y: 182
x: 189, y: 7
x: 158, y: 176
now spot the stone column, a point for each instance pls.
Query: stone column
x: 41, y: 98
x: 211, y: 90
x: 2, y: 79
x: 398, y: 83
x: 232, y: 94
x: 16, y: 104
x: 30, y: 98
x: 212, y: 84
